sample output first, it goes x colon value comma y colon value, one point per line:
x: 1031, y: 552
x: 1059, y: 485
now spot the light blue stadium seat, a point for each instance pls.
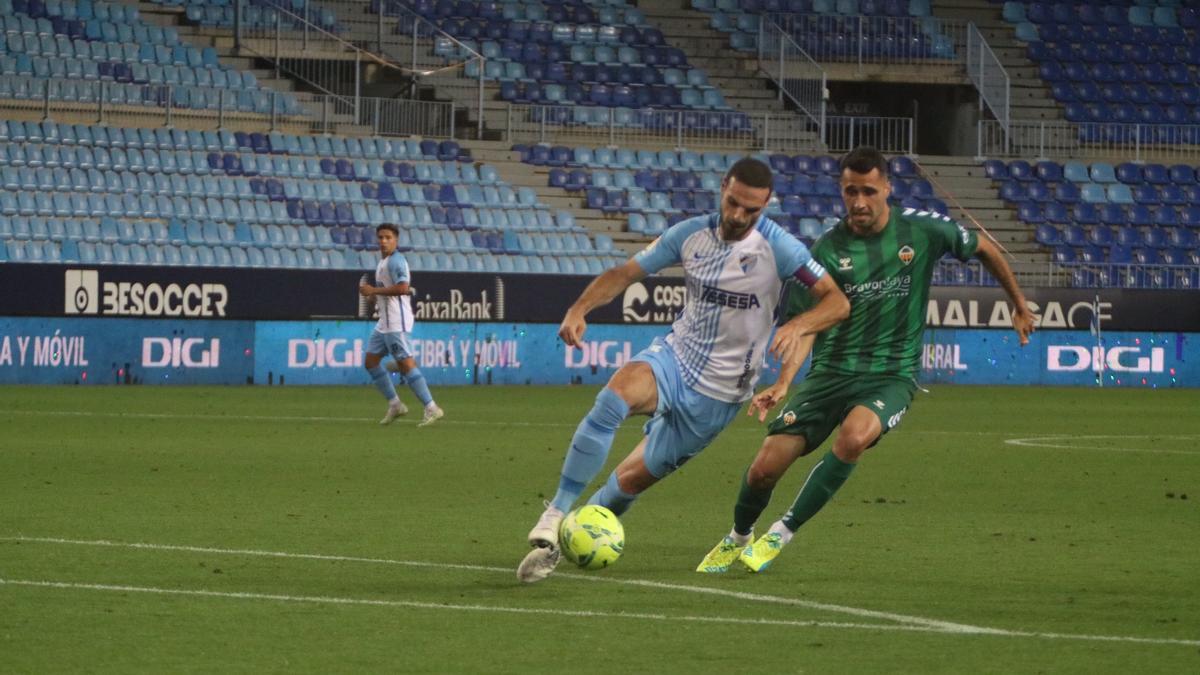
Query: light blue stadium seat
x: 1119, y: 193
x: 1094, y: 193
x: 238, y: 257
x: 1103, y: 173
x: 1076, y: 172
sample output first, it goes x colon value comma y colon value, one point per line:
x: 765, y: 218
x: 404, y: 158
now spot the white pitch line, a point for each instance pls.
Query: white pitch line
x: 570, y: 613
x: 588, y: 614
x: 943, y: 626
x: 585, y: 614
x: 263, y: 418
x: 1052, y: 442
x: 359, y: 420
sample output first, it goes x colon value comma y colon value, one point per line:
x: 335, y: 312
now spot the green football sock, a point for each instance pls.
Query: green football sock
x: 826, y: 477
x: 750, y: 505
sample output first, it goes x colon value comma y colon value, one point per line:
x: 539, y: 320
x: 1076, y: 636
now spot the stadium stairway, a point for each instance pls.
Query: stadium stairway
x: 222, y: 41
x: 691, y: 31
x: 518, y: 174
x: 451, y: 85
x: 734, y: 73
x: 1031, y: 98
x: 963, y: 178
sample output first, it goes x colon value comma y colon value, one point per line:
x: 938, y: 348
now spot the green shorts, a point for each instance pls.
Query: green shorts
x: 823, y: 401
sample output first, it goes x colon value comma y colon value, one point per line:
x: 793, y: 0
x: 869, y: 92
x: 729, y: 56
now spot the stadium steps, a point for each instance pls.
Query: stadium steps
x: 1031, y: 98
x: 222, y: 41
x: 518, y: 174
x: 963, y: 179
x: 451, y: 85
x: 733, y: 73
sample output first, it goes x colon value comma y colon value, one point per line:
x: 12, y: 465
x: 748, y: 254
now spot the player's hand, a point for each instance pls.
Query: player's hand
x: 572, y: 328
x: 365, y: 290
x: 765, y: 400
x: 1024, y: 322
x: 788, y: 341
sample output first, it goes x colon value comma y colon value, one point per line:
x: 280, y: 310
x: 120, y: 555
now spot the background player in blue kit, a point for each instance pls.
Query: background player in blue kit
x: 390, y: 337
x: 695, y: 379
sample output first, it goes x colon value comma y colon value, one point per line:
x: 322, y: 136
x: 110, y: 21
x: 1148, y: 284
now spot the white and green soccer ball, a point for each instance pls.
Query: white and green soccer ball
x: 591, y: 537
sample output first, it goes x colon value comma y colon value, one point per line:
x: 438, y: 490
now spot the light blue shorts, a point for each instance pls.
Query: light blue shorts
x: 395, y: 345
x: 685, y: 421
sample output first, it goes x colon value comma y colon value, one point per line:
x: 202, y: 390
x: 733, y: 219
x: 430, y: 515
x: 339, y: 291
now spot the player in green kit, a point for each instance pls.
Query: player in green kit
x: 863, y: 373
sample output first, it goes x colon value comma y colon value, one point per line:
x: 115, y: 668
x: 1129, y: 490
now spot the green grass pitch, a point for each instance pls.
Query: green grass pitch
x: 264, y: 529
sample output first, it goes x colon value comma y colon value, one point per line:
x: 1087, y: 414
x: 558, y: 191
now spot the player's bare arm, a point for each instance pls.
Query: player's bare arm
x: 366, y: 290
x: 768, y: 398
x: 600, y: 292
x: 832, y: 308
x: 993, y: 259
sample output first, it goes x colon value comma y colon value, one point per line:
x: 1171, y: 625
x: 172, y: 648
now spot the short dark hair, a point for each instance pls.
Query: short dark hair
x: 864, y: 158
x: 751, y: 173
x: 389, y: 227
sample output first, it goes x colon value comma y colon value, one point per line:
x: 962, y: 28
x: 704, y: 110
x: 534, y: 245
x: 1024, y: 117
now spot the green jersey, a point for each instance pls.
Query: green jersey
x: 886, y: 278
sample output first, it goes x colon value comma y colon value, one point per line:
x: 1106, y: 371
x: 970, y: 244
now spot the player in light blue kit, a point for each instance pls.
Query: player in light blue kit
x: 693, y: 381
x: 390, y: 337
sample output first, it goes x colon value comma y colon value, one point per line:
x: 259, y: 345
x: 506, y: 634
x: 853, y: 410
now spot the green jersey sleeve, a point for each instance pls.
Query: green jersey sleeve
x: 958, y: 240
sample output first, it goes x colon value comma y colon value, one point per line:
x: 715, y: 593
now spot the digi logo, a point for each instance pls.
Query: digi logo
x: 161, y: 352
x: 82, y: 294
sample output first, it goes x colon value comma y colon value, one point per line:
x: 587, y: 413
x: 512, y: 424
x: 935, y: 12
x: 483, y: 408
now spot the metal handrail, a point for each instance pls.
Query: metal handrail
x: 799, y: 78
x: 900, y: 40
x: 1058, y: 139
x: 413, y: 27
x: 323, y: 75
x: 156, y: 103
x: 990, y: 78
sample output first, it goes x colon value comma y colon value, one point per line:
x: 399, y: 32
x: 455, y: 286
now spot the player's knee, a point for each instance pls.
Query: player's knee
x: 628, y: 483
x: 635, y: 385
x: 609, y: 410
x: 762, y: 476
x: 851, y: 444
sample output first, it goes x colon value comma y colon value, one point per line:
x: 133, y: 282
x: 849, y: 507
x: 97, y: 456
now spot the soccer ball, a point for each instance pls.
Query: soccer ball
x: 591, y: 537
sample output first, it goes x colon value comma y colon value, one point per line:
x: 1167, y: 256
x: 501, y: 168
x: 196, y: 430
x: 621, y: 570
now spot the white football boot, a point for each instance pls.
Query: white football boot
x: 395, y: 409
x: 541, y: 561
x: 432, y: 414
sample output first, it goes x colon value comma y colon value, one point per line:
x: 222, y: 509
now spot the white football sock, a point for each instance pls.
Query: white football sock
x: 783, y: 531
x: 740, y: 539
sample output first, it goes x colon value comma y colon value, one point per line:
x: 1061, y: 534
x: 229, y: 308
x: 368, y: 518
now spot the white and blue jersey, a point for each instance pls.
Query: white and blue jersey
x: 720, y: 337
x: 395, y: 311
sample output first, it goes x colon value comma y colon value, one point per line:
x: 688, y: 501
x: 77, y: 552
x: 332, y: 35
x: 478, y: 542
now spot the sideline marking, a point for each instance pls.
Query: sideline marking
x: 904, y: 622
x: 358, y: 420
x: 944, y: 626
x: 1047, y: 442
x: 579, y: 613
x: 452, y: 606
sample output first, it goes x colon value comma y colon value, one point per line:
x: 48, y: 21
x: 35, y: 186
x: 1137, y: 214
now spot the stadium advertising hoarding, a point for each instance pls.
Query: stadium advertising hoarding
x: 287, y: 294
x: 322, y: 352
x: 125, y: 351
x: 162, y: 351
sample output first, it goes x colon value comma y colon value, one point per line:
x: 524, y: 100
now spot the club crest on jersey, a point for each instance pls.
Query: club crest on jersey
x: 906, y: 254
x: 789, y: 418
x: 746, y: 262
x: 845, y: 264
